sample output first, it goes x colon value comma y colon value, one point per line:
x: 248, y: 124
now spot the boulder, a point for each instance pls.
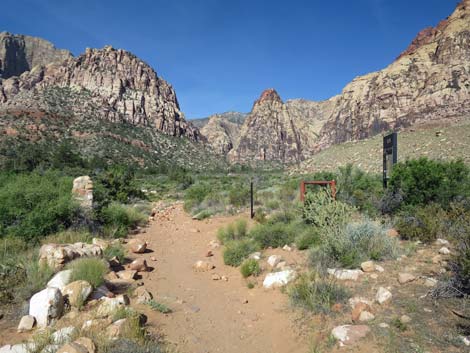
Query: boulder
x: 405, y: 278
x: 77, y: 292
x: 255, y: 256
x: 60, y: 279
x: 57, y: 255
x: 440, y: 241
x: 358, y: 309
x: 139, y: 265
x: 368, y: 266
x: 46, y: 306
x: 80, y: 345
x: 127, y: 274
x: 137, y: 246
x: 383, y: 295
x: 350, y: 334
x: 26, y: 323
x: 64, y: 335
x: 345, y: 275
x: 143, y: 295
x: 366, y: 316
x: 82, y: 191
x: 444, y: 251
x: 17, y: 348
x: 354, y: 301
x: 279, y: 279
x: 273, y: 260
x: 100, y: 292
x: 203, y: 266
x: 116, y: 329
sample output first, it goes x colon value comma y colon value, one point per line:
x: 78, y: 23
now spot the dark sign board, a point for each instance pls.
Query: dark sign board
x: 390, y: 155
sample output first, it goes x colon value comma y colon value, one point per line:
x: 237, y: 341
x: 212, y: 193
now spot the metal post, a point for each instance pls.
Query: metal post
x: 252, y: 211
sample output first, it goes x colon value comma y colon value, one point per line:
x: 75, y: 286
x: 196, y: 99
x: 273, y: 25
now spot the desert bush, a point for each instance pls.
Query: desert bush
x: 203, y: 215
x: 309, y: 237
x: 162, y: 308
x: 34, y: 205
x: 424, y: 223
x: 122, y: 345
x: 120, y: 218
x: 68, y: 237
x: 249, y: 268
x: 195, y: 194
x: 352, y: 244
x: 275, y: 234
x: 316, y: 294
x: 238, y: 250
x: 260, y: 215
x: 90, y: 269
x: 233, y: 231
x: 423, y: 181
x: 322, y: 211
x: 115, y: 250
x: 239, y: 195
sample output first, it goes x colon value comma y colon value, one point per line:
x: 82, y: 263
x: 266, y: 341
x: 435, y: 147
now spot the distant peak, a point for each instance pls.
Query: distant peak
x: 269, y: 95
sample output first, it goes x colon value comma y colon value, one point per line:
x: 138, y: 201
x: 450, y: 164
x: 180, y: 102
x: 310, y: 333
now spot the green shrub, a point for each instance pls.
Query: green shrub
x: 425, y: 181
x: 34, y: 205
x: 239, y: 195
x: 260, y: 216
x: 249, y: 268
x: 68, y: 237
x: 322, y: 211
x: 315, y: 294
x: 90, y: 269
x: 274, y: 234
x: 115, y: 250
x: 425, y: 223
x: 238, y: 250
x: 195, y: 194
x: 233, y: 231
x: 121, y: 218
x: 158, y: 306
x: 122, y: 345
x: 203, y: 215
x: 307, y: 238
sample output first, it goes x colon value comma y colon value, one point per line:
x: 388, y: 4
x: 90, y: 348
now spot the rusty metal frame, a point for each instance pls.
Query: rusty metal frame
x: 330, y: 183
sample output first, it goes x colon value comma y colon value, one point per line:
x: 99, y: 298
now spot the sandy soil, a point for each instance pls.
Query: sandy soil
x: 212, y: 315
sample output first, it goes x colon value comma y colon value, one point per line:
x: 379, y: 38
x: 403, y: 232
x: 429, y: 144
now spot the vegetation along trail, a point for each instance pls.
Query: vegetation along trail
x: 211, y: 315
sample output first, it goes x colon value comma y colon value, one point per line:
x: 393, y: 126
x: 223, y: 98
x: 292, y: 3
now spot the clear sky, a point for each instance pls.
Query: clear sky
x: 220, y: 54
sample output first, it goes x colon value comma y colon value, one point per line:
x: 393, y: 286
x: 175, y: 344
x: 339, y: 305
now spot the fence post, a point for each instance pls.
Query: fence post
x: 252, y: 211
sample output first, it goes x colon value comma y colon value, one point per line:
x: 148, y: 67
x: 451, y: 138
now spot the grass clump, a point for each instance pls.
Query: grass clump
x: 68, y: 237
x: 162, y: 308
x: 234, y: 231
x: 315, y: 294
x: 238, y: 250
x: 274, y: 234
x: 91, y: 270
x: 120, y: 218
x: 115, y: 250
x: 249, y: 268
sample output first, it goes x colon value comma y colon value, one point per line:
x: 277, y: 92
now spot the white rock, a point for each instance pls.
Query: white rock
x: 365, y: 316
x: 465, y: 340
x: 273, y: 260
x: 349, y: 334
x: 255, y: 256
x: 444, y: 251
x: 356, y: 300
x: 286, y: 248
x: 60, y: 279
x: 51, y: 348
x: 64, y: 335
x: 440, y: 241
x: 345, y: 275
x: 109, y: 305
x: 405, y: 277
x: 278, y: 279
x: 384, y: 325
x: 46, y: 305
x: 18, y: 348
x: 430, y: 282
x: 383, y: 295
x: 405, y: 319
x: 26, y: 323
x: 368, y: 266
x: 379, y: 268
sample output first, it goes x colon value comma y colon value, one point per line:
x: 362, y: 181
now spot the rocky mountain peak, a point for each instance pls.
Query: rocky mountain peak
x: 268, y: 95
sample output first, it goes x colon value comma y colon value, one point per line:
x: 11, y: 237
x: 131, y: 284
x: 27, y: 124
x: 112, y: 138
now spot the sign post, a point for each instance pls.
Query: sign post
x: 252, y: 211
x: 390, y: 155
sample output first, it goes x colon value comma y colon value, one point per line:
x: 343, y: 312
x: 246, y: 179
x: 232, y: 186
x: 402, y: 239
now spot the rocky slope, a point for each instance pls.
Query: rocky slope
x: 222, y: 132
x: 428, y: 83
x: 233, y: 117
x: 19, y: 53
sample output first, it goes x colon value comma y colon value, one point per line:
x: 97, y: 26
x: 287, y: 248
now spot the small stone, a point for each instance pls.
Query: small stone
x: 117, y: 328
x: 224, y: 278
x: 405, y: 319
x: 444, y: 251
x: 366, y: 316
x: 354, y: 301
x: 379, y: 268
x: 427, y: 310
x: 153, y: 258
x: 345, y: 275
x: 405, y: 278
x: 430, y: 282
x: 214, y: 244
x: 383, y: 295
x: 350, y: 334
x: 393, y: 233
x: 465, y: 340
x: 440, y: 241
x: 209, y: 253
x: 127, y: 274
x: 384, y: 325
x: 77, y: 292
x: 374, y: 276
x: 368, y: 266
x: 278, y: 279
x: 273, y: 260
x: 139, y: 265
x: 81, y: 345
x: 255, y: 256
x: 203, y: 266
x: 358, y: 309
x: 216, y: 277
x: 137, y: 246
x: 64, y: 335
x: 286, y: 248
x: 143, y: 295
x: 26, y: 323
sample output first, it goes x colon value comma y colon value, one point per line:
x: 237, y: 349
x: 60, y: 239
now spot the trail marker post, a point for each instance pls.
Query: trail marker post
x: 390, y: 155
x: 252, y: 211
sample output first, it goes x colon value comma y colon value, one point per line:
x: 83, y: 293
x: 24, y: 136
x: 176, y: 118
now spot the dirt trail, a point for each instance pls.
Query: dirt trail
x: 212, y: 315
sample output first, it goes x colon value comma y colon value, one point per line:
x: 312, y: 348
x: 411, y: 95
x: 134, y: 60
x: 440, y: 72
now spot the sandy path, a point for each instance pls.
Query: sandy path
x: 212, y: 316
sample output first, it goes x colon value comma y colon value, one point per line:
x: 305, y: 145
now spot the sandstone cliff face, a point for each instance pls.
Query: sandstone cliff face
x: 20, y: 53
x: 428, y: 83
x: 222, y: 131
x: 114, y: 85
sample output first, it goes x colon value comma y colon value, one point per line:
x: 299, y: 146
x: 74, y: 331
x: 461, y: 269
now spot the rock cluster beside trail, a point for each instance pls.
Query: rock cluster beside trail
x: 57, y: 255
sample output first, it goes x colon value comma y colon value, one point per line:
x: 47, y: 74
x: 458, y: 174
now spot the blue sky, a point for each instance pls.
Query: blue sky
x: 220, y: 54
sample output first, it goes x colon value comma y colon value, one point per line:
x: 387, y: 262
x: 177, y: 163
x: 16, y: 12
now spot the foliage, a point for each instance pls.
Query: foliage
x: 423, y: 181
x: 239, y: 195
x: 249, y: 268
x: 122, y: 345
x: 275, y: 234
x: 307, y: 238
x: 424, y: 223
x: 195, y: 194
x: 158, y: 306
x: 233, y: 231
x: 120, y: 218
x: 68, y: 237
x: 238, y: 250
x: 90, y: 269
x: 316, y: 294
x: 352, y: 244
x: 115, y: 250
x: 35, y: 205
x: 322, y: 211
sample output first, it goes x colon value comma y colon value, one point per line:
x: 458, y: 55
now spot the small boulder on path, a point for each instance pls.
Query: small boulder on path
x: 137, y: 246
x: 383, y: 295
x: 139, y: 265
x: 350, y: 334
x: 444, y: 251
x: 60, y: 279
x: 273, y: 260
x: 203, y: 266
x: 368, y: 266
x: 46, y: 306
x: 279, y: 279
x: 405, y: 278
x: 26, y: 323
x: 77, y: 292
x: 344, y: 275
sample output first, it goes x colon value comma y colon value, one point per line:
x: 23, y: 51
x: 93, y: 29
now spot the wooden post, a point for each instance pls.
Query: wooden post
x: 333, y: 189
x: 302, y: 191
